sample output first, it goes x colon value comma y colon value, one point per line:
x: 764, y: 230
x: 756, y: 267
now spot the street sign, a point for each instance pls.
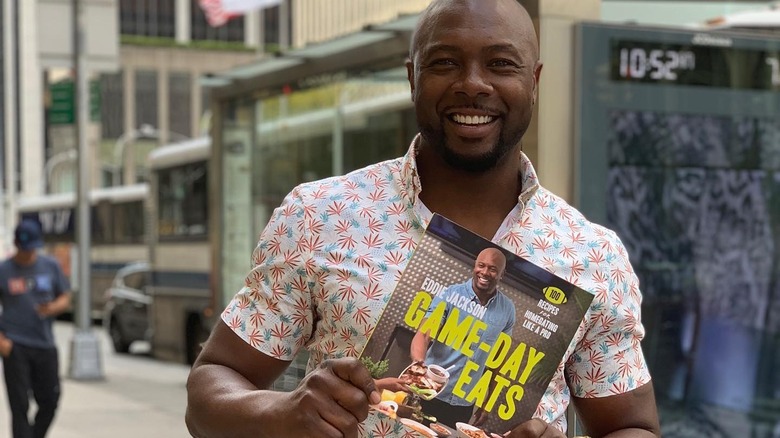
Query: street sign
x: 62, y: 109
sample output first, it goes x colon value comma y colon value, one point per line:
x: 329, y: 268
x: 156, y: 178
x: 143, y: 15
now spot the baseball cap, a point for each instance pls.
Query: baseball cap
x: 28, y: 235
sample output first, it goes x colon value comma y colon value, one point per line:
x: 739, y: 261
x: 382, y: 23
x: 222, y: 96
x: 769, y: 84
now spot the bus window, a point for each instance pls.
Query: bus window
x: 182, y: 201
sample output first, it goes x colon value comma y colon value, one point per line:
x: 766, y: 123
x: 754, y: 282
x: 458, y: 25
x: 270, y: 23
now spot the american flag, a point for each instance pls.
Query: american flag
x: 218, y: 12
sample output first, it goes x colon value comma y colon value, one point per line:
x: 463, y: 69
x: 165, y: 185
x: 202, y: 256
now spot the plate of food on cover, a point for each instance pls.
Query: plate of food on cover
x: 427, y: 381
x: 419, y: 428
x: 441, y: 429
x: 466, y: 430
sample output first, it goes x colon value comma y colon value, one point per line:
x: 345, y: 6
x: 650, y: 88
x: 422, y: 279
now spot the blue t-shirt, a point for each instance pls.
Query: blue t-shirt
x: 22, y: 289
x: 498, y: 314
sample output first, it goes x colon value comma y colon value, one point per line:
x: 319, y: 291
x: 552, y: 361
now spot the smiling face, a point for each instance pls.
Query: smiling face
x: 473, y: 71
x: 488, y: 270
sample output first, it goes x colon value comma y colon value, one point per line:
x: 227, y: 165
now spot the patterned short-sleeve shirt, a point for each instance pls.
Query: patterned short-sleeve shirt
x: 332, y: 254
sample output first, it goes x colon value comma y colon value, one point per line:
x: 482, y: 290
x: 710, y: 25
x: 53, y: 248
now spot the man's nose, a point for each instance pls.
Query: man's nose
x: 473, y: 81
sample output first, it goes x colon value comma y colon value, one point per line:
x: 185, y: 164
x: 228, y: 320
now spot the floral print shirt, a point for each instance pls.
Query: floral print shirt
x: 332, y: 253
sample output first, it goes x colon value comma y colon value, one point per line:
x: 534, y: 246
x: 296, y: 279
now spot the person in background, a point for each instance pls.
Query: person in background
x: 33, y: 290
x: 333, y: 252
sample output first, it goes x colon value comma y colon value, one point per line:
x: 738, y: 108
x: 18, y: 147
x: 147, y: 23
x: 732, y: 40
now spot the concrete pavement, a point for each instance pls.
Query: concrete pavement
x: 140, y: 396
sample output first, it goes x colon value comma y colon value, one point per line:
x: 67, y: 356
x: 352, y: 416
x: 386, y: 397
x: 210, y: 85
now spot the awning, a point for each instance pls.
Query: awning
x: 375, y: 48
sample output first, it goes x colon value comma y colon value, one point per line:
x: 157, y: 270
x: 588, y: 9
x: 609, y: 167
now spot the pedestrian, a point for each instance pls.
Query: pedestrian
x: 333, y: 252
x: 33, y: 290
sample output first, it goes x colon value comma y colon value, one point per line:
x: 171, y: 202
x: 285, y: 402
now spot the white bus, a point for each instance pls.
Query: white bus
x: 179, y: 250
x: 117, y: 232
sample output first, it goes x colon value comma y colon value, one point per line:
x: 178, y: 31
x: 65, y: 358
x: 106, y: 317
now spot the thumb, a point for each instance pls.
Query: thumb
x: 354, y: 372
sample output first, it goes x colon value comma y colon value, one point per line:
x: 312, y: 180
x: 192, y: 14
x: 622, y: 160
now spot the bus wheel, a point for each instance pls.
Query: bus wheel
x: 196, y: 336
x: 117, y: 338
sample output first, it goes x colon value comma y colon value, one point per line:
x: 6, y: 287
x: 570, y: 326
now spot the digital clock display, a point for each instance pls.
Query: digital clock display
x: 692, y: 64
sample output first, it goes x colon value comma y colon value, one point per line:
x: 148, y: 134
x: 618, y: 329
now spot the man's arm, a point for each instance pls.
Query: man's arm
x: 629, y: 415
x: 5, y: 345
x: 228, y: 396
x: 632, y: 414
x: 56, y: 306
x: 419, y: 346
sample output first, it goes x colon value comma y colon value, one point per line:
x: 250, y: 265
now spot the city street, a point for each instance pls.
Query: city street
x: 139, y: 397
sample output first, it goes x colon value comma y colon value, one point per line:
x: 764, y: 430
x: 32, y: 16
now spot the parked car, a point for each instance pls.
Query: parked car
x: 126, y: 315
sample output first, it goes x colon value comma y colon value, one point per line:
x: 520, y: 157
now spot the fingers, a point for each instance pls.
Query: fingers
x: 350, y: 385
x: 333, y: 400
x: 351, y: 370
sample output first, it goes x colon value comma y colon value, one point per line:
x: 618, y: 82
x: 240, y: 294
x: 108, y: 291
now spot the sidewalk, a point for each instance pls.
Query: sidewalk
x: 140, y: 396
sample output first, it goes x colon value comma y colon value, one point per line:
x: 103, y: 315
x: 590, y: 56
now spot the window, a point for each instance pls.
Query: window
x: 180, y: 103
x: 182, y: 201
x: 152, y: 18
x: 146, y: 98
x: 271, y: 25
x: 128, y: 219
x: 112, y: 112
x: 135, y: 280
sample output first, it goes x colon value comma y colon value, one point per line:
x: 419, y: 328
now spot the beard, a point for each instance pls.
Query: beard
x: 469, y: 162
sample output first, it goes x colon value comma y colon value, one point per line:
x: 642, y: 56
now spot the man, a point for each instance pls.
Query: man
x: 481, y: 288
x: 322, y: 273
x: 33, y: 290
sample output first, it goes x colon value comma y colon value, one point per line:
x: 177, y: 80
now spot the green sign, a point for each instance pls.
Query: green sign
x: 62, y: 110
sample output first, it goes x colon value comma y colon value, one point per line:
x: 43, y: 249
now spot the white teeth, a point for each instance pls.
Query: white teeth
x: 472, y: 120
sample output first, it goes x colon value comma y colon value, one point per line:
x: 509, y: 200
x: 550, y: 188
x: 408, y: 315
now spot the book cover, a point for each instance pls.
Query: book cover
x: 472, y: 340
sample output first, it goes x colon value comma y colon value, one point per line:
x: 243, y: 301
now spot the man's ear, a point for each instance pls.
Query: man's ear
x: 410, y: 75
x: 537, y: 75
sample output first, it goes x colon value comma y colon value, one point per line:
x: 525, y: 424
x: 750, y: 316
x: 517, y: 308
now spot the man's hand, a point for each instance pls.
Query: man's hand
x: 330, y: 402
x: 55, y: 307
x: 535, y: 428
x: 6, y: 345
x: 46, y: 310
x: 391, y: 384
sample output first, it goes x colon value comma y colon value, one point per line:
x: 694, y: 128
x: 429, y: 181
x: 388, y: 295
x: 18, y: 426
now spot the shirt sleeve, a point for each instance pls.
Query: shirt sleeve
x: 62, y: 285
x: 608, y: 360
x: 273, y: 311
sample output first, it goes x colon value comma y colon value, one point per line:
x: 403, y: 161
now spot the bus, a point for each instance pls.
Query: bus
x: 117, y: 230
x: 180, y: 284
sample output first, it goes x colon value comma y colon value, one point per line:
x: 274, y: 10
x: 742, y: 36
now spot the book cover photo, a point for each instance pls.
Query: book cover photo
x: 474, y: 333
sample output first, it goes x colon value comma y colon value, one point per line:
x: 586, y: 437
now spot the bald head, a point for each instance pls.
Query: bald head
x: 508, y: 10
x: 488, y: 270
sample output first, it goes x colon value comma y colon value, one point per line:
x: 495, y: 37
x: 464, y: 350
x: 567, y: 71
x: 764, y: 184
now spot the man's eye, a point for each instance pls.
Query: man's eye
x: 443, y: 62
x: 502, y: 63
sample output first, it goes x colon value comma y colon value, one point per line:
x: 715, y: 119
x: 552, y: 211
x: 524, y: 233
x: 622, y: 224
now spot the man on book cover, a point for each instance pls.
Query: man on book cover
x: 478, y: 297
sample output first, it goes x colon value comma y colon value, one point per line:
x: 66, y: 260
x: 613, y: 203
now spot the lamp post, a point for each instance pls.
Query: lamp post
x: 144, y: 131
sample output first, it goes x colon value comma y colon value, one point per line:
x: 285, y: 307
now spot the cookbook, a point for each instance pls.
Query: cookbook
x: 474, y: 327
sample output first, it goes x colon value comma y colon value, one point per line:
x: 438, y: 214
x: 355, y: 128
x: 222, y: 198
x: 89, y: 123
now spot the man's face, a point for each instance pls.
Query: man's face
x: 473, y: 80
x: 488, y: 270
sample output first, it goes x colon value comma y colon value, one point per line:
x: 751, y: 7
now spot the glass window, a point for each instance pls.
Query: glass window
x: 135, y: 280
x: 271, y: 26
x: 112, y: 117
x: 129, y: 222
x: 153, y: 18
x: 180, y: 103
x: 146, y: 98
x: 182, y: 203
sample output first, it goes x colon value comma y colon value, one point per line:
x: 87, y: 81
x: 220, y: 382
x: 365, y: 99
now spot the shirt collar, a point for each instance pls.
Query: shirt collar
x: 410, y: 178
